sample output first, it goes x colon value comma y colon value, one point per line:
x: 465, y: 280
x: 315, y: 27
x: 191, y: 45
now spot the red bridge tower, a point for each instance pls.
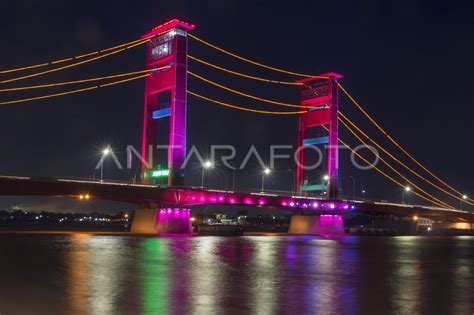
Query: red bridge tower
x: 165, y: 98
x: 321, y: 93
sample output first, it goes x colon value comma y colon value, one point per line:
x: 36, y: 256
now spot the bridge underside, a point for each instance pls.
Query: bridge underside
x: 148, y: 196
x: 157, y: 199
x: 162, y: 221
x: 316, y: 224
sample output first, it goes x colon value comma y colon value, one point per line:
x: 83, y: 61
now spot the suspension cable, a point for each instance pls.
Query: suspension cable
x: 244, y: 94
x: 242, y: 74
x: 146, y: 39
x: 71, y: 58
x: 73, y: 64
x: 74, y: 91
x: 81, y: 81
x: 379, y: 170
x: 383, y: 173
x: 397, y: 144
x: 301, y: 106
x: 398, y: 161
x: 393, y: 169
x: 248, y: 60
x: 244, y: 108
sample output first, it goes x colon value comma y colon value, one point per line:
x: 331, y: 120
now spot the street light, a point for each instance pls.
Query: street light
x: 105, y: 152
x: 326, y: 178
x: 266, y: 171
x: 406, y: 189
x: 461, y: 201
x: 363, y: 193
x: 206, y: 165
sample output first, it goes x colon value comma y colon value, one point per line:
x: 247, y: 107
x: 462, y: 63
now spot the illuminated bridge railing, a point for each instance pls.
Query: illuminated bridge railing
x: 289, y: 202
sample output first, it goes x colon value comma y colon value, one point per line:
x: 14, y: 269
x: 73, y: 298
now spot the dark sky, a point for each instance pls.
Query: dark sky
x: 409, y: 63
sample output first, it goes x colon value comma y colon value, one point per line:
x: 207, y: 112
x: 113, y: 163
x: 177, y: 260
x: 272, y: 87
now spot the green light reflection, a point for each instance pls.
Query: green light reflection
x: 154, y: 276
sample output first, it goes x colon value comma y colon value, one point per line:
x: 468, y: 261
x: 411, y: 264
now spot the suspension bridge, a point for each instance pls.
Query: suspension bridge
x: 164, y: 208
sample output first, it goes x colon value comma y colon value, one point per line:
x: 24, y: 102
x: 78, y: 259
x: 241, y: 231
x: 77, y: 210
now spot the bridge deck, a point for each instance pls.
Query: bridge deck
x: 150, y: 195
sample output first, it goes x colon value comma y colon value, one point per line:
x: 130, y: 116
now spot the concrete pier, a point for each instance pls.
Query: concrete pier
x: 316, y: 224
x: 162, y: 221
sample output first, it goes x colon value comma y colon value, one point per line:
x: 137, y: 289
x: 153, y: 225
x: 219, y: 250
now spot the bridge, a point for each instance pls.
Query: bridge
x: 316, y: 203
x: 171, y: 203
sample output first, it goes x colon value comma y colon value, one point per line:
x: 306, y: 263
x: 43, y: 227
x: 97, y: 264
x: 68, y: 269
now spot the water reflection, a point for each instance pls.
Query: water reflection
x: 463, y: 302
x: 326, y: 286
x: 107, y: 255
x: 96, y: 271
x: 207, y: 280
x: 265, y: 283
x: 154, y: 276
x: 407, y: 276
x: 78, y: 270
x: 245, y: 275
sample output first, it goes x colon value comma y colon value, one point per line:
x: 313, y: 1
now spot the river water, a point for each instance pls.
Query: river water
x: 93, y: 274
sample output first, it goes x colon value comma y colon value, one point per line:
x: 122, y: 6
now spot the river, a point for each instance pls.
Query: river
x: 97, y: 274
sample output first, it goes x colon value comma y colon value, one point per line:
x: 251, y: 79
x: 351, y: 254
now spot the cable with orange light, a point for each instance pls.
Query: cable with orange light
x: 379, y: 170
x: 349, y: 96
x: 72, y: 58
x: 74, y: 91
x: 398, y: 161
x: 21, y: 88
x: 243, y: 108
x: 433, y: 199
x: 251, y: 61
x: 242, y: 74
x: 71, y: 65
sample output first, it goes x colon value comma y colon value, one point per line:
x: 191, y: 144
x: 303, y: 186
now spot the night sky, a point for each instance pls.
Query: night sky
x: 409, y: 63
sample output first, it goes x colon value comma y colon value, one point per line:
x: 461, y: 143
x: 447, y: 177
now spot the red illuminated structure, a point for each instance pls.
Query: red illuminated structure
x: 165, y: 96
x: 321, y: 93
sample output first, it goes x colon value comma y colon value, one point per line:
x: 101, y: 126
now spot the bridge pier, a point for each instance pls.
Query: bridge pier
x: 316, y: 224
x: 162, y: 221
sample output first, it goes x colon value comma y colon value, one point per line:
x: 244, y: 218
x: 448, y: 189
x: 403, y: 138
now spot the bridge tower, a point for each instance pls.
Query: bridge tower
x: 321, y: 93
x: 165, y: 99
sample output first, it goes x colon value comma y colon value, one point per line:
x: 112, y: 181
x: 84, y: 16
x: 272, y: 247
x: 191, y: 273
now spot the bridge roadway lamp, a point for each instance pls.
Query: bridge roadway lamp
x: 266, y: 171
x: 105, y: 152
x: 205, y: 166
x: 405, y: 190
